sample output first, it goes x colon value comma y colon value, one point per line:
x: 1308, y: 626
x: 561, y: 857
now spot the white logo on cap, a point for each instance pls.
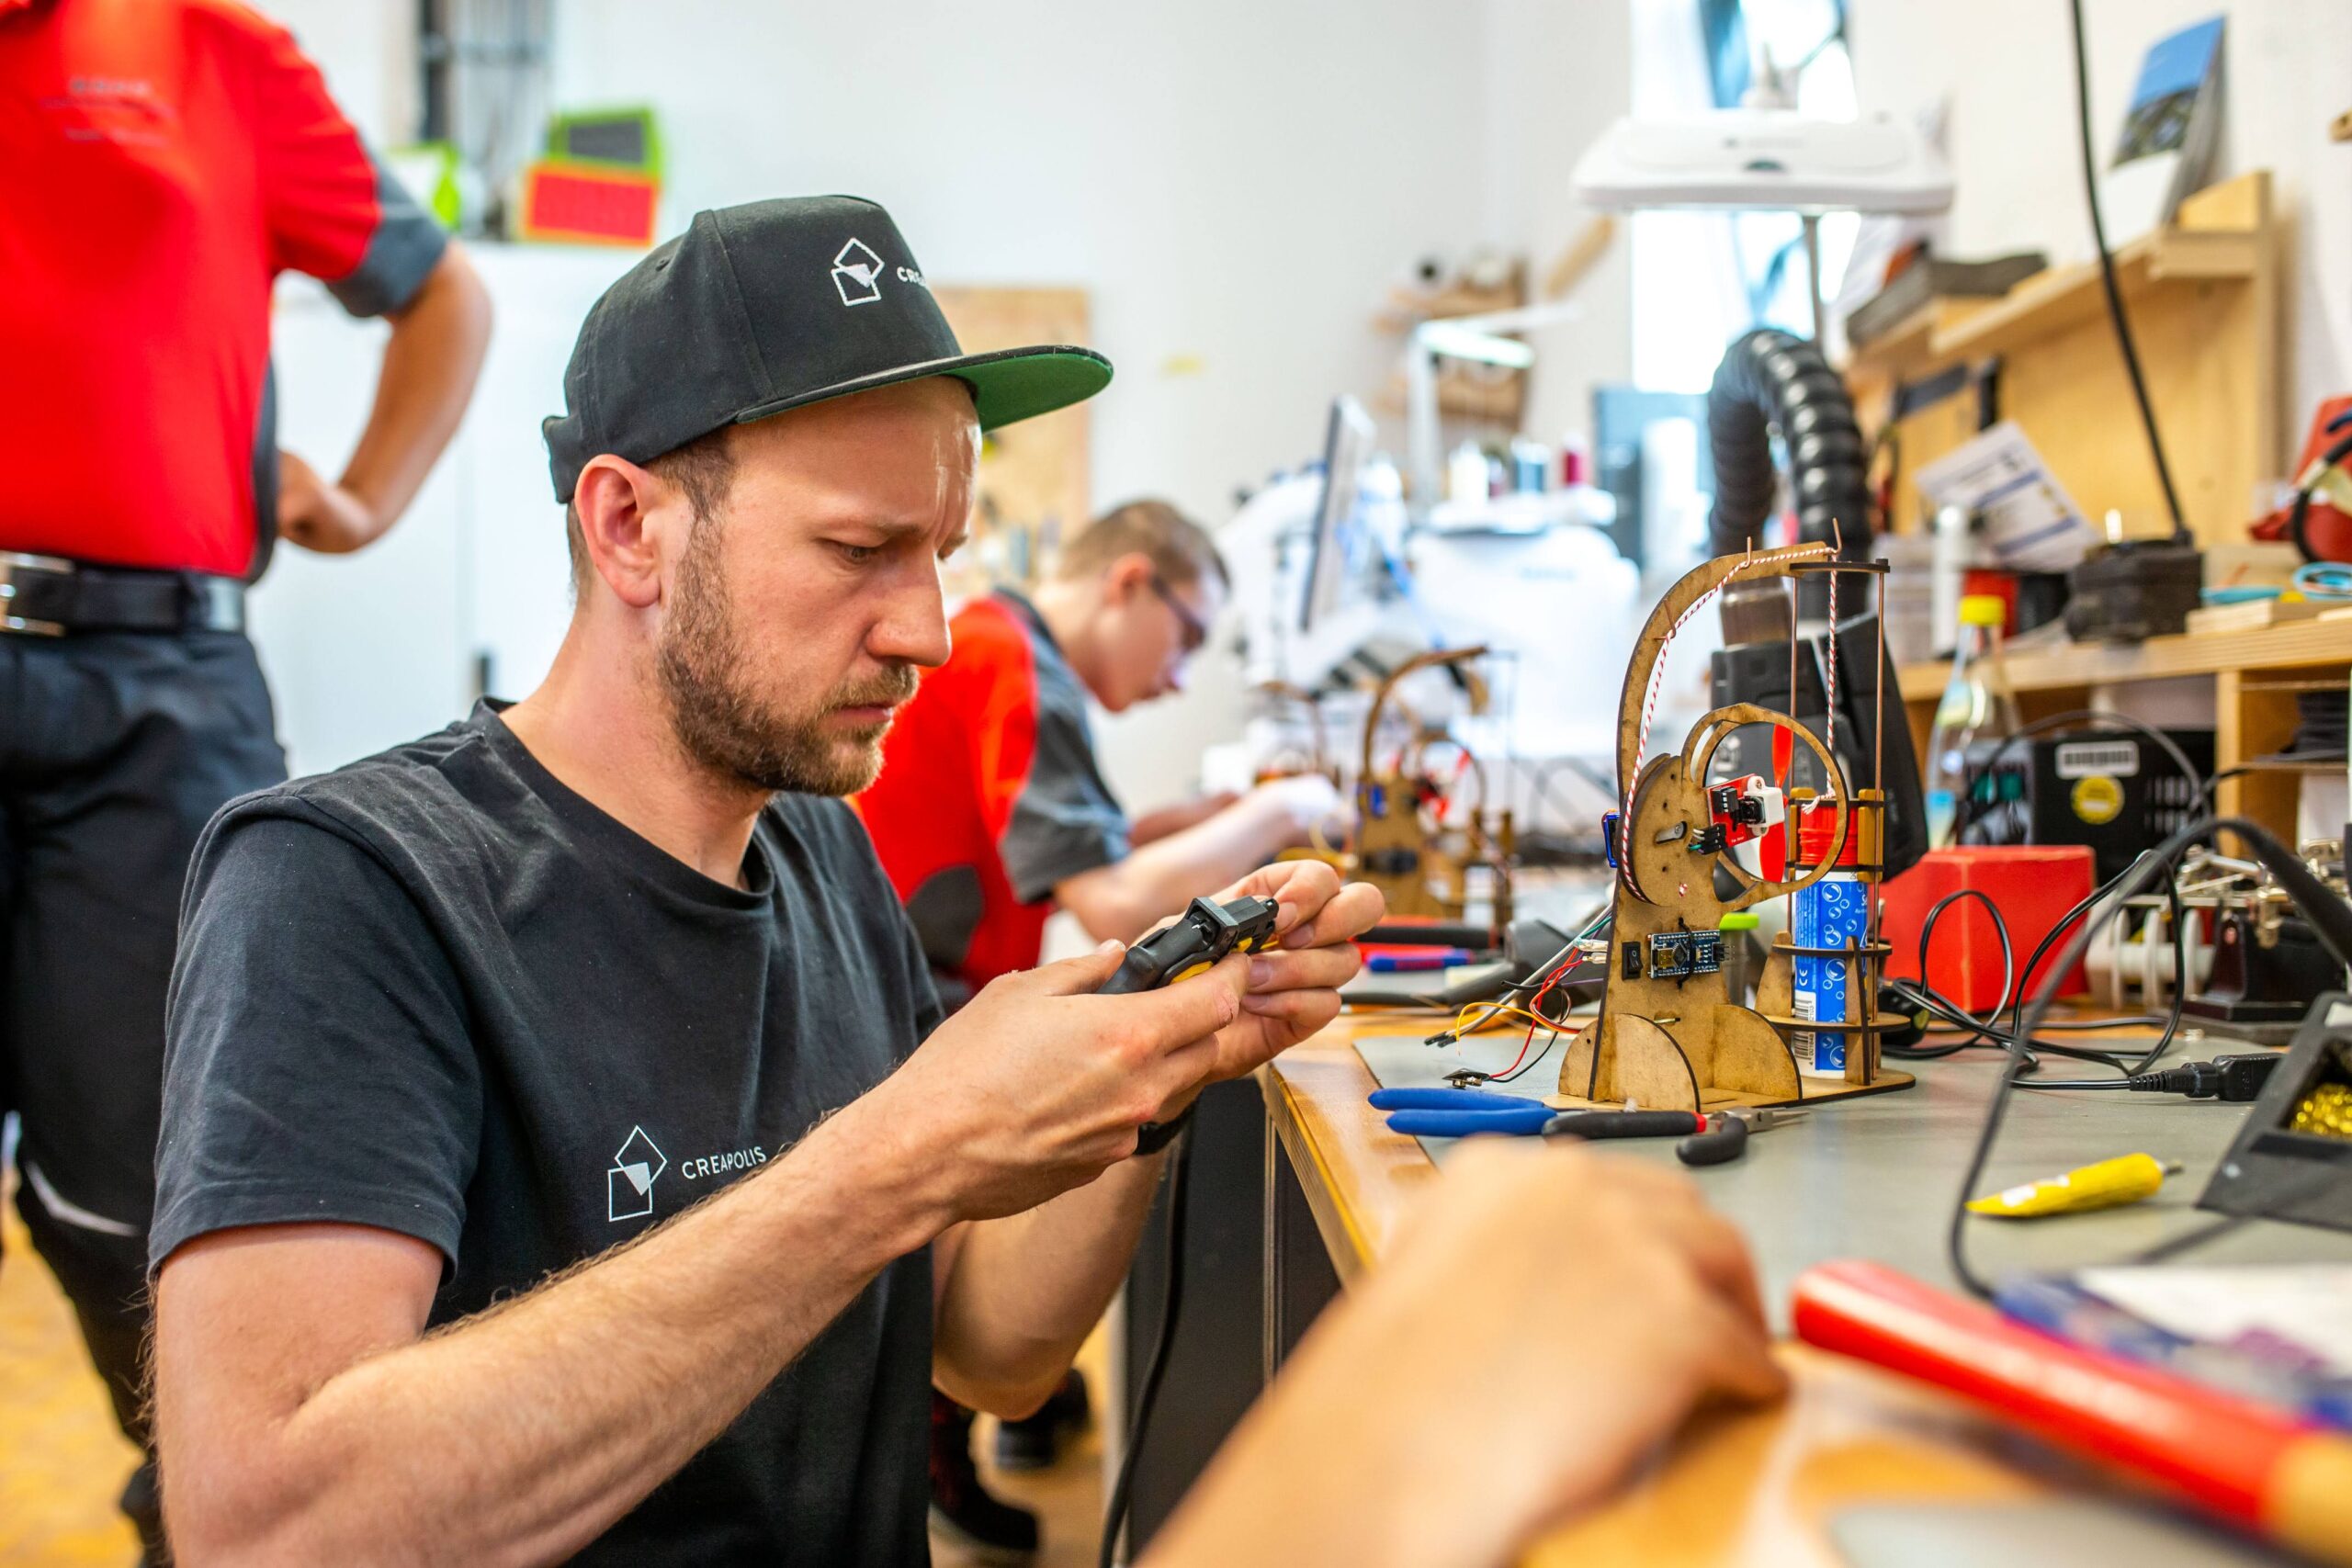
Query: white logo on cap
x: 857, y: 273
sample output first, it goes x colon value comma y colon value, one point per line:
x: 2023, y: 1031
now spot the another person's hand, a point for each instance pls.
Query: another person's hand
x: 1035, y: 1085
x: 1545, y: 1319
x: 1159, y: 823
x: 1310, y: 803
x: 318, y: 515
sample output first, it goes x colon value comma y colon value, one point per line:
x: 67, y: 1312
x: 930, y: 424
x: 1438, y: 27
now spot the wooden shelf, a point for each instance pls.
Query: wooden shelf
x: 2203, y: 297
x: 2296, y: 645
x: 2220, y: 238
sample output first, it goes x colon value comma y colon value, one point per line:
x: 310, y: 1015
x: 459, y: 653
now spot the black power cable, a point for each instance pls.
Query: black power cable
x: 1114, y: 1513
x: 2106, y: 276
x: 2331, y: 917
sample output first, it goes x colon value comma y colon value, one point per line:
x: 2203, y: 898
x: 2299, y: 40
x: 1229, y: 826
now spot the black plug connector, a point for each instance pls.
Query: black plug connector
x: 2239, y: 1077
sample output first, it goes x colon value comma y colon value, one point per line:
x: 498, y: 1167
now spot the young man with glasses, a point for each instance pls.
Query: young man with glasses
x: 992, y: 811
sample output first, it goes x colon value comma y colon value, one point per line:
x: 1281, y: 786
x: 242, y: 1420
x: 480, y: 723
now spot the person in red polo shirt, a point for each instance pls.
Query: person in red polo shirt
x: 990, y: 812
x: 161, y: 162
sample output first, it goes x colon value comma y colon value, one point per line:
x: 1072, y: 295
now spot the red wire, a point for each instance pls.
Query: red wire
x: 1536, y: 1007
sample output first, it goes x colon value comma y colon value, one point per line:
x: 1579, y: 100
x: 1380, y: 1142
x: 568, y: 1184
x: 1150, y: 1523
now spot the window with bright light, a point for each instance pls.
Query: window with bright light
x: 1702, y: 278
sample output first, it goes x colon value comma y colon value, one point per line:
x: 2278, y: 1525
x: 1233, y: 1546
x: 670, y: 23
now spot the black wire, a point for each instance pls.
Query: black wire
x: 1950, y: 1015
x: 2299, y: 514
x: 2107, y: 275
x: 1114, y: 1515
x: 2008, y: 967
x: 2147, y: 865
x: 1521, y: 1071
x: 2083, y: 912
x: 1986, y: 1031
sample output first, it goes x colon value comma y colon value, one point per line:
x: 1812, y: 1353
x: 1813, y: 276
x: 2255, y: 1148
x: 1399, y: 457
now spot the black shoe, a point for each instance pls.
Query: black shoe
x: 1036, y: 1441
x: 962, y: 1510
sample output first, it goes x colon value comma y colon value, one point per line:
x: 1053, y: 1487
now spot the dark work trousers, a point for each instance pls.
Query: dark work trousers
x: 114, y: 750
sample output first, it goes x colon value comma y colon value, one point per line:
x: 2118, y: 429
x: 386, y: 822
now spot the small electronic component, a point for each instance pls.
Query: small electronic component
x: 1744, y: 809
x: 1678, y: 955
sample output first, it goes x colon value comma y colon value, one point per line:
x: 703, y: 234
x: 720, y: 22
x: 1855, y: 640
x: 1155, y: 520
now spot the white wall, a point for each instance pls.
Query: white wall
x: 2008, y: 68
x: 1235, y: 185
x: 1556, y: 75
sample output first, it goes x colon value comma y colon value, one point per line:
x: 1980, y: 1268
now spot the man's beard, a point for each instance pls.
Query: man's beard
x: 730, y: 729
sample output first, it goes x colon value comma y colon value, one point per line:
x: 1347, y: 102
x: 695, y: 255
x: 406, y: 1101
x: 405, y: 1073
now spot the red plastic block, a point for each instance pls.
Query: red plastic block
x: 2031, y: 884
x: 576, y: 203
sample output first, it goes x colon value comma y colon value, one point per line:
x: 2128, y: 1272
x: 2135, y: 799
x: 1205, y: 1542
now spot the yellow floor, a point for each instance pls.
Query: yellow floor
x: 62, y: 1463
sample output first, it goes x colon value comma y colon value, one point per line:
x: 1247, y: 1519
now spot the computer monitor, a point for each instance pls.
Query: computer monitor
x: 1346, y: 446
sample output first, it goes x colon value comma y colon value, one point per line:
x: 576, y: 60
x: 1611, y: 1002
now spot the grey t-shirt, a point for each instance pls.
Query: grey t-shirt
x: 439, y: 993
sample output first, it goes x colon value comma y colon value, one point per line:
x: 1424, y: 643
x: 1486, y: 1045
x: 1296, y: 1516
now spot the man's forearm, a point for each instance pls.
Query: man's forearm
x: 524, y: 1432
x: 430, y: 364
x: 1026, y: 1291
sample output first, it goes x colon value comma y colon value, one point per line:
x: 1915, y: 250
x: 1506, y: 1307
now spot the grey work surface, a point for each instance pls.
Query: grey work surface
x: 1875, y: 1176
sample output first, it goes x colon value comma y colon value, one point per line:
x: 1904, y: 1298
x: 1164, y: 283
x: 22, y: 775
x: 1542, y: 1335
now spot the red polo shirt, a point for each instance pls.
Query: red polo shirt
x: 161, y: 162
x: 990, y: 796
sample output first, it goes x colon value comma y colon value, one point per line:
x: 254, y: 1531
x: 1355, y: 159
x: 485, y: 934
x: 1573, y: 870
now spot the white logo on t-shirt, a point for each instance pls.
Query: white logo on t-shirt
x: 629, y: 1185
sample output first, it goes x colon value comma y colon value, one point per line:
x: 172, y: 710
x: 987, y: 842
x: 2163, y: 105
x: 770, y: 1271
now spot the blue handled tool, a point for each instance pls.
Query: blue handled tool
x: 1460, y: 1112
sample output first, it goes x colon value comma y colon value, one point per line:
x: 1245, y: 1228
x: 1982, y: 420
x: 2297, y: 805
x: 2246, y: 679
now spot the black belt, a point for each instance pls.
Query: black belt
x: 50, y: 596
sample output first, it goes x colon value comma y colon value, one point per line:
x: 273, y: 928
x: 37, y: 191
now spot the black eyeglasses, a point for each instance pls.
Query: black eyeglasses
x: 1196, y: 631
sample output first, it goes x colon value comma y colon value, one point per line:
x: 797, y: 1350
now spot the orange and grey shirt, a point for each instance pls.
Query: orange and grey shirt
x: 989, y: 795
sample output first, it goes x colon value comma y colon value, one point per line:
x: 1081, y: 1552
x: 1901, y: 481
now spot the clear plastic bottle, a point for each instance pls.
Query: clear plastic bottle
x: 1977, y: 705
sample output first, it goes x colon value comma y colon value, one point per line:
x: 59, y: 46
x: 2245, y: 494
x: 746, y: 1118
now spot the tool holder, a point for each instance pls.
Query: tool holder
x: 1669, y: 1040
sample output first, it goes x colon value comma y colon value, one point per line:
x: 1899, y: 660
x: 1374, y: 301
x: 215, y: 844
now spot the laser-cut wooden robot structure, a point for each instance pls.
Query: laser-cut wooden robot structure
x: 1423, y: 869
x: 1670, y: 1036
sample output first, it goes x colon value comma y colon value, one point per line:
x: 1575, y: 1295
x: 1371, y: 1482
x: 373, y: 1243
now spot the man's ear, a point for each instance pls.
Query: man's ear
x: 616, y: 501
x: 1127, y: 577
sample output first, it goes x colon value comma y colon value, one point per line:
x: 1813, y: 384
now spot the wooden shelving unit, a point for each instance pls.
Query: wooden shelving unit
x: 2256, y: 676
x: 2202, y: 295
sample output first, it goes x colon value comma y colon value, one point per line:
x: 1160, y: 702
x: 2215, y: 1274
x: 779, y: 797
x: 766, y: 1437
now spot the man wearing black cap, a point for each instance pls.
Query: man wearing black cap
x: 562, y: 1152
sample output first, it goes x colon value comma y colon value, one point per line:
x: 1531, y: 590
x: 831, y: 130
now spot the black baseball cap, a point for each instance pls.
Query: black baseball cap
x: 770, y: 305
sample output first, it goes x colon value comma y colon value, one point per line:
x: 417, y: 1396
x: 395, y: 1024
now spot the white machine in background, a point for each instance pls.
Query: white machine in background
x: 1358, y: 587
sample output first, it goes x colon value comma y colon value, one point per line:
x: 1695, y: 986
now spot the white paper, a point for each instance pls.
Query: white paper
x: 2030, y: 523
x: 2300, y: 1303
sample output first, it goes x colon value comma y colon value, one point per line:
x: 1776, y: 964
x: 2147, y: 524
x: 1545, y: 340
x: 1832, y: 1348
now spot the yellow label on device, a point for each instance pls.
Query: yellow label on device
x: 2097, y: 800
x: 2111, y: 1182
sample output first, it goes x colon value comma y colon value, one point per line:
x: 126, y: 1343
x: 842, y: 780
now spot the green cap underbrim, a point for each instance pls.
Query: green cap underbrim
x: 1008, y: 385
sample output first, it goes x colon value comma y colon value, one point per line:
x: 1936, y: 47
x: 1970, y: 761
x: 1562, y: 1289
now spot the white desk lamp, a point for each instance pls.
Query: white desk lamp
x: 1769, y: 160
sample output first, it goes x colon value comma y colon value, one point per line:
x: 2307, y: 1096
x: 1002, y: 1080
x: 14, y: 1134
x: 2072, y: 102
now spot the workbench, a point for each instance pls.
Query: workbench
x: 1859, y: 1467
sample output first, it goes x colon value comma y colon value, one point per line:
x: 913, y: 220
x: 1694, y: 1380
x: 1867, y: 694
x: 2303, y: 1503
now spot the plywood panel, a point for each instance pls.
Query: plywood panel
x: 1033, y: 481
x: 2202, y: 299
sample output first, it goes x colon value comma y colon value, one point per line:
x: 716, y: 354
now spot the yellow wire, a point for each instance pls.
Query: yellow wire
x: 1495, y: 1010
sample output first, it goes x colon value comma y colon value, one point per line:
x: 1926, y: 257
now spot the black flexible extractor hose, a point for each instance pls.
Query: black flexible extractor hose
x: 1770, y: 380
